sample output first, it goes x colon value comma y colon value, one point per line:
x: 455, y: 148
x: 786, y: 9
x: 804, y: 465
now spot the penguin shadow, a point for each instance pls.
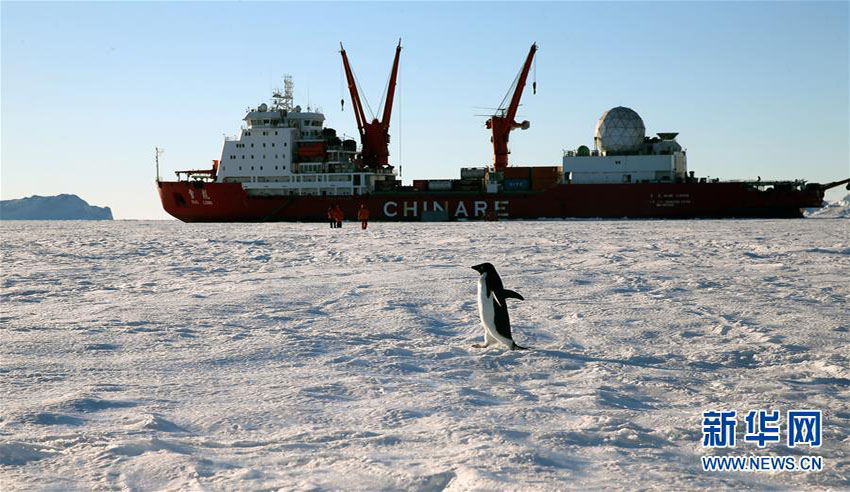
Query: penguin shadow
x: 647, y: 361
x: 428, y: 323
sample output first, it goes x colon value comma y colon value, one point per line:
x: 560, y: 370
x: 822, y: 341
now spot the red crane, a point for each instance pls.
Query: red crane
x: 374, y: 135
x: 503, y: 122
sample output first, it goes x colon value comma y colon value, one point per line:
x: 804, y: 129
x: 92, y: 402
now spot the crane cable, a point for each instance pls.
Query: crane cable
x: 384, y: 95
x: 510, y: 93
x: 362, y: 94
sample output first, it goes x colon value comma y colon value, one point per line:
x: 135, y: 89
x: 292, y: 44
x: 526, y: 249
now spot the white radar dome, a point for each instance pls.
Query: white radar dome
x: 619, y: 130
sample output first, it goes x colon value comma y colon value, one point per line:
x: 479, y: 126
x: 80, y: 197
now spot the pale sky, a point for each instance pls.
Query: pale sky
x: 89, y: 89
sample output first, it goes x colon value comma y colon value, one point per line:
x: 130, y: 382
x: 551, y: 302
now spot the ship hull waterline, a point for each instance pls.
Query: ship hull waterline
x: 196, y: 201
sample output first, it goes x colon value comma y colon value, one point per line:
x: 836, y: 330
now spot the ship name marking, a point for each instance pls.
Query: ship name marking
x: 412, y: 209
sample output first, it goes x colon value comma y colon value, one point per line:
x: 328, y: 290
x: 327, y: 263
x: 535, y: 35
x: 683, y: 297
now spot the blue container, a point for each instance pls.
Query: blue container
x: 516, y: 184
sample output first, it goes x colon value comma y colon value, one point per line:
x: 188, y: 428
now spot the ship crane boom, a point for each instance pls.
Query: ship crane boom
x: 374, y: 135
x: 502, y: 123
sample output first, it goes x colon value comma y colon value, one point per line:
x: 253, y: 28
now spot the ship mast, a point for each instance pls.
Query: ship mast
x: 502, y: 123
x: 283, y: 100
x: 158, y: 153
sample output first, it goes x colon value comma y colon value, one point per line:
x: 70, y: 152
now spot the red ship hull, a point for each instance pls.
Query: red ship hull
x: 228, y: 202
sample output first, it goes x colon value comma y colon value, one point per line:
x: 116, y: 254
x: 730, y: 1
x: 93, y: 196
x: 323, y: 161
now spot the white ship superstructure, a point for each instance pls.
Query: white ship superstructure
x: 282, y: 150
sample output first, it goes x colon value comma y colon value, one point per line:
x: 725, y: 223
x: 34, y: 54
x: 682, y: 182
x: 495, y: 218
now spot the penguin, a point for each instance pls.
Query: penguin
x: 493, y: 308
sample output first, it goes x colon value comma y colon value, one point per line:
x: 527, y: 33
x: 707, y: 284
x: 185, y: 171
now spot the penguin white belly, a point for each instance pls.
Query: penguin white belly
x: 487, y: 312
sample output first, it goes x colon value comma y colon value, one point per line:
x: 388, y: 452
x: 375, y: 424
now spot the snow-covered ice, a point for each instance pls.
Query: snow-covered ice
x: 162, y: 355
x: 838, y: 209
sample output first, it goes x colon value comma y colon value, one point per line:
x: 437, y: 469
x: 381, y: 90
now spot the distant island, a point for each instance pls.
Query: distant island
x: 60, y: 207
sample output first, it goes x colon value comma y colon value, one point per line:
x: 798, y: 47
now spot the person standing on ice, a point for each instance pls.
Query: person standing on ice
x: 331, y: 217
x: 363, y: 216
x: 338, y: 216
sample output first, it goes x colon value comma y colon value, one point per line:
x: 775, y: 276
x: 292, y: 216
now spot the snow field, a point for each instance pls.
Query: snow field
x: 162, y: 355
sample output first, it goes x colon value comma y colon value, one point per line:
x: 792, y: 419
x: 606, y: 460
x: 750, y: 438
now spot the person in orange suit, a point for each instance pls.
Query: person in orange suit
x: 363, y: 216
x: 338, y: 216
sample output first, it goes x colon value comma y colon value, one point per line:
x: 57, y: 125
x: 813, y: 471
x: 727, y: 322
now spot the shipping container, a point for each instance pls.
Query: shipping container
x: 440, y: 184
x: 467, y: 185
x: 516, y: 184
x: 517, y: 172
x: 546, y: 171
x: 473, y: 172
x: 385, y: 184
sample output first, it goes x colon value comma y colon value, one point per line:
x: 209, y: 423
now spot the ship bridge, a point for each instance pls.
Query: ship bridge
x: 282, y: 150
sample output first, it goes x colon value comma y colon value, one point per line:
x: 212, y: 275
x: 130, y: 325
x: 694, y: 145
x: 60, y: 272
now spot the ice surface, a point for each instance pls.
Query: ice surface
x: 162, y: 355
x: 839, y: 209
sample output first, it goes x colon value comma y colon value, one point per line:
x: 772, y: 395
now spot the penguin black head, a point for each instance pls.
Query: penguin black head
x: 484, y: 268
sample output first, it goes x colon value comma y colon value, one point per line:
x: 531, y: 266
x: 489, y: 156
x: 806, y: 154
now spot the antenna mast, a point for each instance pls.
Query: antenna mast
x: 284, y: 99
x: 158, y: 153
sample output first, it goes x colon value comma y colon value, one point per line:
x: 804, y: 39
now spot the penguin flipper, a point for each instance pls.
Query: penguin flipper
x: 511, y: 294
